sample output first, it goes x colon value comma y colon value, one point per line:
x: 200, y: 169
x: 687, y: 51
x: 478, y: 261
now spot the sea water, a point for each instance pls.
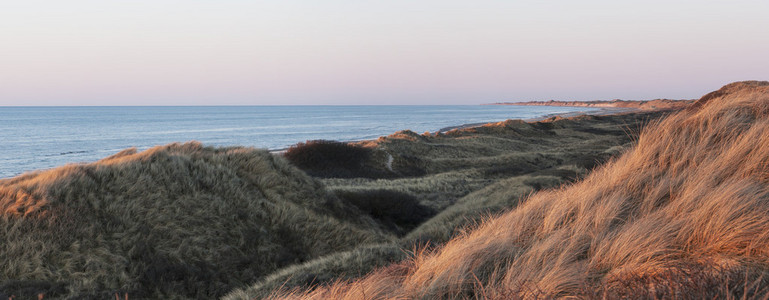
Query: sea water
x: 33, y: 138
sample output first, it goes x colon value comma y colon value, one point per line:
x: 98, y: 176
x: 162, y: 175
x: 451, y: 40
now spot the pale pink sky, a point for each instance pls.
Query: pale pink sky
x: 163, y: 52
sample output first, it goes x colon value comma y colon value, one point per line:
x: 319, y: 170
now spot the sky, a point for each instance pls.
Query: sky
x: 237, y: 52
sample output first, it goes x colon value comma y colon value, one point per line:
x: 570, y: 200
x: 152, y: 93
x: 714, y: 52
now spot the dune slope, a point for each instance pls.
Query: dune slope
x: 176, y: 221
x: 467, y: 174
x: 685, y: 214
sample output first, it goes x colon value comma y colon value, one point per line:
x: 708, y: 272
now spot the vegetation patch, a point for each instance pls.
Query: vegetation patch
x: 332, y: 159
x: 176, y: 221
x: 187, y: 221
x: 684, y: 213
x: 465, y: 177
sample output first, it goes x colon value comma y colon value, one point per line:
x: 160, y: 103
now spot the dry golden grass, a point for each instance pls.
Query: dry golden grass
x: 684, y: 214
x: 175, y: 221
x: 467, y: 175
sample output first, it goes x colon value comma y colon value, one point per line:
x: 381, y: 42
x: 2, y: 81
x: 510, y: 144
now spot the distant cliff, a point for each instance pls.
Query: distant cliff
x: 645, y: 104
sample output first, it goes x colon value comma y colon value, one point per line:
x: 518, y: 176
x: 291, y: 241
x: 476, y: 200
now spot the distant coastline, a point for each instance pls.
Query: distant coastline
x: 85, y: 134
x: 600, y: 111
x: 616, y: 103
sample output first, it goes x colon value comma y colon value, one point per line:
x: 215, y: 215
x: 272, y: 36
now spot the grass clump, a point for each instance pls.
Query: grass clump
x: 175, y: 221
x: 332, y: 159
x: 684, y: 213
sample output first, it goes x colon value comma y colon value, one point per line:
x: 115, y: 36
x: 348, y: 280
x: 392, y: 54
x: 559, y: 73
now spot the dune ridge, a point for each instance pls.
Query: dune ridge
x: 683, y: 214
x: 175, y: 222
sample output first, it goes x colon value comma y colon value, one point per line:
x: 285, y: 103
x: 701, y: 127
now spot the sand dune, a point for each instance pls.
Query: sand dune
x: 684, y: 214
x: 177, y: 221
x: 680, y: 210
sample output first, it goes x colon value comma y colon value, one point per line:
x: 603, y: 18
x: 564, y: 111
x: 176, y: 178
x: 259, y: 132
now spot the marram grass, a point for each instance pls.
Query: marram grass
x: 684, y: 214
x: 176, y: 221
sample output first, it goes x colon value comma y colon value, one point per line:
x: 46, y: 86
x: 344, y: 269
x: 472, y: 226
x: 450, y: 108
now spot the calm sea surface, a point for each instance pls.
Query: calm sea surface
x: 34, y: 138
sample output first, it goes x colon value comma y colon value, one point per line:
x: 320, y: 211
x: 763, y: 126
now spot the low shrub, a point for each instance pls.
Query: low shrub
x: 332, y: 159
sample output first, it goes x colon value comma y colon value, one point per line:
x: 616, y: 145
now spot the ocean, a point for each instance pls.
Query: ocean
x: 33, y: 138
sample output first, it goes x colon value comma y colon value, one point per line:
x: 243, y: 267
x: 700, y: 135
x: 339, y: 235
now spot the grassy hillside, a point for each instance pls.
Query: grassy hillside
x: 684, y: 214
x: 188, y: 221
x: 177, y: 221
x: 439, y: 169
x: 457, y: 179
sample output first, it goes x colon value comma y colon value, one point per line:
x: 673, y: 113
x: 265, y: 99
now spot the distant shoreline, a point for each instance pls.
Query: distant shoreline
x: 603, y: 111
x: 606, y: 107
x: 87, y: 149
x: 616, y: 103
x: 65, y: 135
